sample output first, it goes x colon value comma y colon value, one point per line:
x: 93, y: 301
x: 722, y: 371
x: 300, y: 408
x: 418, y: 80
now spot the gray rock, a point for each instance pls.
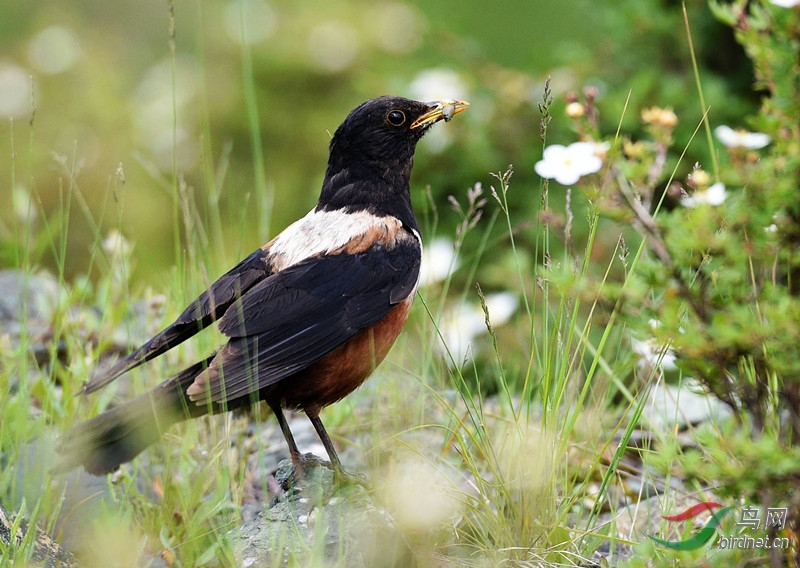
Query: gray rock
x: 27, y: 305
x: 84, y: 495
x: 315, y: 522
x: 670, y: 406
x: 46, y: 552
x: 26, y: 297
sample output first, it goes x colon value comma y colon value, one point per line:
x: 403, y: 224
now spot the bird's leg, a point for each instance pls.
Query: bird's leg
x: 297, y: 457
x: 340, y: 475
x: 313, y: 415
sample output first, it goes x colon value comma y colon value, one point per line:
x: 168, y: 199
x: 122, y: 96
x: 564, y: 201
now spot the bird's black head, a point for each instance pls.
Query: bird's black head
x: 372, y: 152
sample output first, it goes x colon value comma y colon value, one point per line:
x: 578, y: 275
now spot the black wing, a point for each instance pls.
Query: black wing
x: 300, y: 314
x: 206, y: 309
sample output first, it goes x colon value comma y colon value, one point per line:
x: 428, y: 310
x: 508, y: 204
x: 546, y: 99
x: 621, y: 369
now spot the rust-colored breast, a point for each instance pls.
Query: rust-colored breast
x: 343, y: 370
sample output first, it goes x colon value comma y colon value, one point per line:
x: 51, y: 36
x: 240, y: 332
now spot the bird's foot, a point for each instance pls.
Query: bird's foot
x: 305, y: 470
x: 299, y: 471
x: 342, y: 478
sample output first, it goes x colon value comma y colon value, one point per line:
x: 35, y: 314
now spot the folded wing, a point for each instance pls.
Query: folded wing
x: 295, y: 317
x: 206, y: 309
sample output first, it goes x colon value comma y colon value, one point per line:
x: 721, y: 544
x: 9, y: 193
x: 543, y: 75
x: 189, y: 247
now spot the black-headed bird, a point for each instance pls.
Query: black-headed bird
x: 309, y: 315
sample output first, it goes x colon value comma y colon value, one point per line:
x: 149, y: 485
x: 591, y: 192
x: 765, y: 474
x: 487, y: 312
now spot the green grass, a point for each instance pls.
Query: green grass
x: 512, y: 457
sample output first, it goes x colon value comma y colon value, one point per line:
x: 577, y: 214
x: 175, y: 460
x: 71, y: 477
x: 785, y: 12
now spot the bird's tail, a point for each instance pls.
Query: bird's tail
x: 121, y: 433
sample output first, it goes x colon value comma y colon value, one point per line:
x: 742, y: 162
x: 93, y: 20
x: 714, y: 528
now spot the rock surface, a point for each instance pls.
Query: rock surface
x: 317, y: 521
x: 46, y: 552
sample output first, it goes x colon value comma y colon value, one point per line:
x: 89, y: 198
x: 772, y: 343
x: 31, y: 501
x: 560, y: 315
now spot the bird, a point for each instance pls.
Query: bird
x: 307, y: 316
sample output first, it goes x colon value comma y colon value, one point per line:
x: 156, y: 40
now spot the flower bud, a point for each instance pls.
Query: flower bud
x: 575, y: 110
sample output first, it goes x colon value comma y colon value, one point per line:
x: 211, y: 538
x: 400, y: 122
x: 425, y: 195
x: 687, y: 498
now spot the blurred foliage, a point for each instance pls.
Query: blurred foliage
x: 717, y: 285
x: 116, y: 88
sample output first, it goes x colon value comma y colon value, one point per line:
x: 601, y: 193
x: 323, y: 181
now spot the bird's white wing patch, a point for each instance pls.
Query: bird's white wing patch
x: 324, y: 232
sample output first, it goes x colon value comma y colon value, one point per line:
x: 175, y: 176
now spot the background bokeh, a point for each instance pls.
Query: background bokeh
x: 104, y: 105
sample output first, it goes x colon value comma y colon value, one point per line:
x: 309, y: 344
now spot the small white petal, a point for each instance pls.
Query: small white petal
x: 438, y: 261
x: 756, y: 140
x: 549, y: 165
x: 568, y: 177
x: 731, y: 138
x: 726, y: 135
x: 584, y: 148
x: 461, y: 325
x: 15, y: 90
x: 501, y: 306
x: 554, y: 152
x: 653, y: 355
x: 585, y: 158
x: 714, y: 195
x: 437, y: 84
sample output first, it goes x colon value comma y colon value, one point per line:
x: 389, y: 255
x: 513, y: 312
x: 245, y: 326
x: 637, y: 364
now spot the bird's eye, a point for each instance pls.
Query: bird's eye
x: 395, y: 118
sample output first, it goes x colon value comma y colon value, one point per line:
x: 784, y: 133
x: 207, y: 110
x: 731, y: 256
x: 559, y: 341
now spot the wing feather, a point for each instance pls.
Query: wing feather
x: 206, y: 309
x: 295, y: 317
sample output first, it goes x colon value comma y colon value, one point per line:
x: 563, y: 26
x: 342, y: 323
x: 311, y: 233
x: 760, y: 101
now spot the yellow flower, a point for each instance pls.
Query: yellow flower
x: 575, y: 110
x: 700, y: 179
x: 658, y: 116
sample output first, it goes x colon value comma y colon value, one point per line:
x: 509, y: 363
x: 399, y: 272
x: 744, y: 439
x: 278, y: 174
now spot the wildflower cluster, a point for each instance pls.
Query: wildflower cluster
x: 722, y: 263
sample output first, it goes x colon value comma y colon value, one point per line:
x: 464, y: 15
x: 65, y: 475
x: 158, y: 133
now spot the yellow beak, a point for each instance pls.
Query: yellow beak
x: 440, y: 110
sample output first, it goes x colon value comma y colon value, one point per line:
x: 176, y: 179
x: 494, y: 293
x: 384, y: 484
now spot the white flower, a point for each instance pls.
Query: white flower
x: 437, y: 84
x: 333, y: 45
x: 566, y: 164
x: 652, y: 354
x: 24, y: 206
x: 396, y: 26
x: 15, y: 91
x: 741, y: 138
x: 54, y: 50
x: 251, y: 21
x: 460, y: 326
x: 786, y: 3
x: 439, y: 260
x: 434, y: 85
x: 116, y: 245
x: 714, y: 195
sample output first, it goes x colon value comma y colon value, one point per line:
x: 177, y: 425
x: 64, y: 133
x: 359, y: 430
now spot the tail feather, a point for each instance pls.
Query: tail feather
x: 121, y: 433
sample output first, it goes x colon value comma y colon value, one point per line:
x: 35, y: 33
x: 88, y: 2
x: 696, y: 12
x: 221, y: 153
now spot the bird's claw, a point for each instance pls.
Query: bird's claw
x: 295, y: 474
